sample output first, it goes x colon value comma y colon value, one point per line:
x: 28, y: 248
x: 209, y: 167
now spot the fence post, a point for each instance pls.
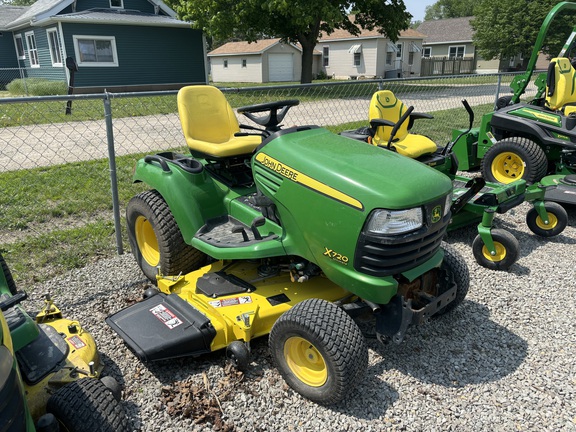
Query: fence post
x: 497, y: 95
x: 113, y: 176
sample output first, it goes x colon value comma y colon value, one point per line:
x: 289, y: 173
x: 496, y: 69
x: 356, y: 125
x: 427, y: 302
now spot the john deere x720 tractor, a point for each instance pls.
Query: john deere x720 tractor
x: 289, y: 233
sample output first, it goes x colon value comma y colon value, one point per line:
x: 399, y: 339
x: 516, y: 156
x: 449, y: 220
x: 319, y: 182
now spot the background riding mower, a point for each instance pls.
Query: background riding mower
x: 474, y: 200
x: 49, y: 370
x: 531, y: 140
x: 289, y: 232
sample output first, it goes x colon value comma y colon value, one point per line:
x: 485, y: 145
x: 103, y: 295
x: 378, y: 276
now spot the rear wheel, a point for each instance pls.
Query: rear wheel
x: 155, y: 238
x: 557, y: 220
x: 86, y: 405
x: 8, y: 276
x: 319, y: 350
x: 513, y: 159
x: 506, y: 250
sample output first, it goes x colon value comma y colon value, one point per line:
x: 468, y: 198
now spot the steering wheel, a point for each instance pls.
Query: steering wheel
x: 276, y: 113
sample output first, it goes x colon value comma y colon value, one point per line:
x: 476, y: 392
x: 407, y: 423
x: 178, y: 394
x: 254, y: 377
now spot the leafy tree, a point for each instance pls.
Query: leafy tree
x: 295, y: 21
x: 450, y: 9
x: 18, y: 2
x: 504, y: 28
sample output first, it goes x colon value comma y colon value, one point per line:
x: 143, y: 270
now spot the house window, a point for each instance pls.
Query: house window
x: 225, y: 64
x: 54, y: 45
x: 357, y: 59
x: 410, y: 58
x: 32, y: 50
x: 19, y: 47
x: 118, y: 4
x: 389, y: 58
x: 456, y: 51
x: 95, y: 50
x: 326, y: 56
x: 427, y: 52
x: 243, y: 63
x: 399, y: 51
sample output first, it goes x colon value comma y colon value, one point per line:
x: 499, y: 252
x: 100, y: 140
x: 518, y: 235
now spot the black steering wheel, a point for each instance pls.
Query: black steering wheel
x: 276, y: 113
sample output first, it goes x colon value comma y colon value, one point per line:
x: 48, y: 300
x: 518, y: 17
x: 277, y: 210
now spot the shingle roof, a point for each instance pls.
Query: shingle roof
x: 39, y: 7
x: 121, y: 16
x: 344, y: 34
x: 10, y: 13
x: 244, y: 47
x: 447, y: 30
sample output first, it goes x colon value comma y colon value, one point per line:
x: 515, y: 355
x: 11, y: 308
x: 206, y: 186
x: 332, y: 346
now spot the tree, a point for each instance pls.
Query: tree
x: 18, y: 2
x: 295, y: 21
x: 504, y: 28
x: 450, y: 9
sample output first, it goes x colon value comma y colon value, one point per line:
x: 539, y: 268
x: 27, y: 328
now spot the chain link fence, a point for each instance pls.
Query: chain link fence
x: 64, y: 177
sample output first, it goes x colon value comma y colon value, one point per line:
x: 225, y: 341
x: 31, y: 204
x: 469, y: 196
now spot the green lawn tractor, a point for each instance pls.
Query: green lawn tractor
x: 50, y: 370
x: 534, y: 141
x: 290, y: 233
x: 475, y: 201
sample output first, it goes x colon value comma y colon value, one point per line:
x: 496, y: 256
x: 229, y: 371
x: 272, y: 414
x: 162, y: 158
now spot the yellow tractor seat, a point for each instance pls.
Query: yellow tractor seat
x: 385, y: 105
x: 560, y: 83
x: 209, y: 124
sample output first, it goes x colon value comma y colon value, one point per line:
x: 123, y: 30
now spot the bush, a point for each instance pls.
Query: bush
x: 36, y: 87
x: 322, y: 75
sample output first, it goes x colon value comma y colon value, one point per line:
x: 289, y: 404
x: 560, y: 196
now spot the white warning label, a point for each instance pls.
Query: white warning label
x: 233, y: 301
x: 165, y: 315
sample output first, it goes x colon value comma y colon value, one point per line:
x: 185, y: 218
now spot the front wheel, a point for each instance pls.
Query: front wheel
x: 557, y: 220
x: 454, y: 271
x: 506, y: 250
x: 513, y: 159
x: 86, y: 405
x: 319, y: 350
x: 155, y: 238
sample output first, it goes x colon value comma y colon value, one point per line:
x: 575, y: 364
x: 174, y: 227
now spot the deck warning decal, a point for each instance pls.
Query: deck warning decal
x: 76, y: 342
x: 166, y: 316
x: 234, y: 301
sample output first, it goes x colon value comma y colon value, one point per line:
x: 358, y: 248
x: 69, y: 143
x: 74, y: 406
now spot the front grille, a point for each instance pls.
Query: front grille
x: 380, y: 255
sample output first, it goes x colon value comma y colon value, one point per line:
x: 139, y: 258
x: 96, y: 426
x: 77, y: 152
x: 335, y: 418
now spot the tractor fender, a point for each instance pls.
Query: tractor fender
x: 193, y: 197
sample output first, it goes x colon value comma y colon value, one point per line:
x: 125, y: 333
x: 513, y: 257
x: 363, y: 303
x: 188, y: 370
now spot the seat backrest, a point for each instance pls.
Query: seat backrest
x: 385, y: 105
x: 206, y: 117
x: 560, y: 83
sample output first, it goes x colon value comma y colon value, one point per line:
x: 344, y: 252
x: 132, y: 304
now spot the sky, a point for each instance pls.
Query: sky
x: 417, y: 8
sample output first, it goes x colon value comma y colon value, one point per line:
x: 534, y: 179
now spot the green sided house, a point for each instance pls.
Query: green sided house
x: 117, y: 45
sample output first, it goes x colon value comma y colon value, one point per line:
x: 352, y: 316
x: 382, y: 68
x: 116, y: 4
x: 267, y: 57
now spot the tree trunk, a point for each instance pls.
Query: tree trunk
x: 307, y: 61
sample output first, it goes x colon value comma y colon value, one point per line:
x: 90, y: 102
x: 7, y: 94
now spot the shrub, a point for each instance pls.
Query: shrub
x: 36, y: 87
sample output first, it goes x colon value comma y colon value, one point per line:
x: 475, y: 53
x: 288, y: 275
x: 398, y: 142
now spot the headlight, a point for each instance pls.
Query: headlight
x: 395, y: 221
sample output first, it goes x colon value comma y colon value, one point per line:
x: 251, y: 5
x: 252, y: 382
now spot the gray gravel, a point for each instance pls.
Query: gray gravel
x: 504, y: 360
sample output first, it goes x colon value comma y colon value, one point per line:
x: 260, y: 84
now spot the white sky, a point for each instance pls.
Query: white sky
x: 417, y: 8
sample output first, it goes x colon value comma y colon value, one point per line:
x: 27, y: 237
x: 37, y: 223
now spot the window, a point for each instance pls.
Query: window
x: 19, y: 47
x: 399, y: 51
x: 357, y: 59
x: 225, y: 64
x: 427, y: 52
x: 456, y: 51
x: 95, y: 50
x: 410, y: 58
x: 389, y: 58
x: 118, y: 4
x: 54, y: 45
x: 32, y: 50
x: 326, y: 56
x: 243, y: 63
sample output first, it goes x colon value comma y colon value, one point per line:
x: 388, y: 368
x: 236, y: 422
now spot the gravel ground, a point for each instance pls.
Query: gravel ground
x: 504, y: 360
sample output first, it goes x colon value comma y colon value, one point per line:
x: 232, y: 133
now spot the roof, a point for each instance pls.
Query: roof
x: 46, y: 9
x: 447, y: 30
x: 120, y: 16
x: 243, y: 47
x: 344, y: 34
x: 10, y: 13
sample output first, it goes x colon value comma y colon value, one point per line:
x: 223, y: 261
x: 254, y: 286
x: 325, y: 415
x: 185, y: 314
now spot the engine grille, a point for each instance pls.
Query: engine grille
x: 385, y: 255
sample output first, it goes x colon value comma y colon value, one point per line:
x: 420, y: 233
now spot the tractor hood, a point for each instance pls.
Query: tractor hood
x: 358, y: 174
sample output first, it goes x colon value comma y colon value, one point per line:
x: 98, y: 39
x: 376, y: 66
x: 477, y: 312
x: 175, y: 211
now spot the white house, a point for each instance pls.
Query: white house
x: 267, y: 60
x: 370, y: 54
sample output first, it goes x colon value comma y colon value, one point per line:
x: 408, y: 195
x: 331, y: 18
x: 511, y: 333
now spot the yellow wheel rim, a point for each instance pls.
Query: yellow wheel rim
x: 500, y: 252
x: 507, y: 167
x: 305, y: 361
x: 552, y: 222
x: 147, y: 241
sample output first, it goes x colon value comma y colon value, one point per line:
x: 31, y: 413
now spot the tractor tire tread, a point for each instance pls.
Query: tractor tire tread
x: 8, y: 276
x: 453, y: 263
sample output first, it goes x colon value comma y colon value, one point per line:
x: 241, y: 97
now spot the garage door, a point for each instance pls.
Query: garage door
x: 280, y: 67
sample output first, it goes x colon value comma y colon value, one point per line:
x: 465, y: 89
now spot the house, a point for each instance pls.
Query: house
x: 118, y: 45
x: 370, y: 54
x: 448, y: 48
x: 267, y: 60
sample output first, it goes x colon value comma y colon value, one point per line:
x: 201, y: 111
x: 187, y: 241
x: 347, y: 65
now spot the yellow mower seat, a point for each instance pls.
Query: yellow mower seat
x: 560, y: 83
x: 384, y: 105
x: 209, y: 124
